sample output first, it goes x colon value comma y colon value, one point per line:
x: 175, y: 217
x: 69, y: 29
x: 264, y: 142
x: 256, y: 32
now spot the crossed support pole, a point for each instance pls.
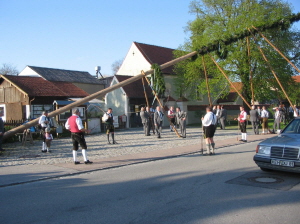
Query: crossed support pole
x: 160, y: 104
x: 148, y: 105
x: 270, y: 66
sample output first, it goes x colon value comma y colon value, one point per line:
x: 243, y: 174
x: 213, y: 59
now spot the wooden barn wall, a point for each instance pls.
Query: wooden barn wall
x: 10, y: 94
x: 14, y: 111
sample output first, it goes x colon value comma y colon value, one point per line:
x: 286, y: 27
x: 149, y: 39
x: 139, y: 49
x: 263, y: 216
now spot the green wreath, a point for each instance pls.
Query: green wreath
x: 157, y: 80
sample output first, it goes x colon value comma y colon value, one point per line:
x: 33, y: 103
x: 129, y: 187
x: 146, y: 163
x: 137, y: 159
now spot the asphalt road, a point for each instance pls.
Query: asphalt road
x: 189, y: 189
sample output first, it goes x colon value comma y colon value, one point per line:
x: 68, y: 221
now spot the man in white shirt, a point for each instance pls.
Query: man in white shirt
x: 242, y: 118
x: 74, y: 124
x: 265, y: 116
x: 44, y: 122
x: 277, y: 119
x: 209, y: 122
x: 171, y: 116
x: 296, y: 111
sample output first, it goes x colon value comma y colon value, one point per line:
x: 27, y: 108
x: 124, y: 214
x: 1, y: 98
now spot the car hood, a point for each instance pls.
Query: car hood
x: 283, y: 140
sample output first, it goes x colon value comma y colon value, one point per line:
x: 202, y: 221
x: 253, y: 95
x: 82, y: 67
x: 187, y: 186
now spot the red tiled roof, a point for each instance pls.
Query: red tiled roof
x: 296, y: 78
x: 157, y: 55
x: 135, y: 89
x: 37, y: 86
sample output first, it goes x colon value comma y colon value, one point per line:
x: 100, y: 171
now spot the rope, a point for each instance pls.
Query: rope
x: 272, y: 70
x: 269, y: 42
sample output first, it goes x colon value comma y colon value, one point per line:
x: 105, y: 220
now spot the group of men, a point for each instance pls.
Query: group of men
x: 155, y: 120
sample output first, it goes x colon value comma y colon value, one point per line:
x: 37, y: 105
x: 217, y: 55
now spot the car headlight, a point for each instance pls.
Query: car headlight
x: 265, y: 150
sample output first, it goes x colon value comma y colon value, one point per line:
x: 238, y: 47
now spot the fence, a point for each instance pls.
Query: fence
x: 14, y: 123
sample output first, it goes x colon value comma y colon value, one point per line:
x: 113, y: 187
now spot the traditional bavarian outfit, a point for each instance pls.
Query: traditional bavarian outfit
x: 171, y: 115
x: 110, y: 129
x: 44, y: 122
x: 209, y: 128
x: 243, y: 119
x: 74, y: 124
x: 265, y: 117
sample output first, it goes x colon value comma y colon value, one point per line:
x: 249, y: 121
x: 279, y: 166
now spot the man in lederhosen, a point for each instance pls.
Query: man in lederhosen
x: 209, y: 122
x: 171, y: 115
x: 109, y: 124
x: 242, y: 118
x: 74, y: 124
x: 44, y: 122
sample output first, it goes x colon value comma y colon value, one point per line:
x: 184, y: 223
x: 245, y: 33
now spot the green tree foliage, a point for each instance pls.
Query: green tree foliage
x: 157, y: 80
x: 220, y: 19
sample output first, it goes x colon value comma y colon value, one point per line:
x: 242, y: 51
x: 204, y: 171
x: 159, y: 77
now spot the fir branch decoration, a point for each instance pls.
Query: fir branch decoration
x: 157, y: 80
x: 281, y: 24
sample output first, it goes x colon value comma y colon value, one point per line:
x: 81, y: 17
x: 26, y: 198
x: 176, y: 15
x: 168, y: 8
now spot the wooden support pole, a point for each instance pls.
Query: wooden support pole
x: 148, y: 105
x: 97, y: 94
x: 145, y: 93
x: 250, y: 70
x: 162, y: 107
x: 269, y: 42
x: 222, y: 71
x: 272, y: 70
x: 206, y: 80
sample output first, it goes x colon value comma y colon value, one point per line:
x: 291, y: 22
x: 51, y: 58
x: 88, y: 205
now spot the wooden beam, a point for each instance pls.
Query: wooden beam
x: 97, y: 94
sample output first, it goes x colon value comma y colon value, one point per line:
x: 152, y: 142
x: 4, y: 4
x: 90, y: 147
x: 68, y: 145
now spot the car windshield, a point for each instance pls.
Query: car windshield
x: 293, y: 127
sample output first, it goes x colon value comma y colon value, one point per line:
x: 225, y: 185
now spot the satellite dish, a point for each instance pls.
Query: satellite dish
x: 97, y: 69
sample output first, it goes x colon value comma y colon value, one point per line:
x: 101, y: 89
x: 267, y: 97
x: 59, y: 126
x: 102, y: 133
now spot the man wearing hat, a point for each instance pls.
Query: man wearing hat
x: 74, y: 124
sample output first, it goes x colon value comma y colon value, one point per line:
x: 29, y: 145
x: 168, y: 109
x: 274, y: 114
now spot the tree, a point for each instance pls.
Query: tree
x: 220, y: 19
x: 8, y: 69
x: 116, y: 66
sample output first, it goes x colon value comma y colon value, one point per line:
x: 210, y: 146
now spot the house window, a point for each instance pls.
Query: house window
x: 65, y: 115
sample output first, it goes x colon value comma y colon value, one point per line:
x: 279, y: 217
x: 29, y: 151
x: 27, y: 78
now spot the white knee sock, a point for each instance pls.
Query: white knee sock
x: 75, y: 155
x: 208, y: 148
x: 245, y: 136
x: 84, y: 154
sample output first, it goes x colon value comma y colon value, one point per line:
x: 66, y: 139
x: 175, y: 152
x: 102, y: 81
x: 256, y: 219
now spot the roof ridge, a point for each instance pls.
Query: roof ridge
x: 143, y: 52
x: 154, y: 45
x: 31, y: 66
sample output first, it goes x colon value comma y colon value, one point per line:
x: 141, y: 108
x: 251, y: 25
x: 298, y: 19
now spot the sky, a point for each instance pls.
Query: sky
x: 82, y: 34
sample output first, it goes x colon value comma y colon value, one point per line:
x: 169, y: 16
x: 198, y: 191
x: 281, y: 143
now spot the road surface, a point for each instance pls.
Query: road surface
x: 225, y: 188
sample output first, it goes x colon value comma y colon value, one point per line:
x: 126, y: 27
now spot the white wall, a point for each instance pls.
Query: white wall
x: 4, y: 111
x: 118, y: 101
x: 29, y: 72
x: 134, y: 63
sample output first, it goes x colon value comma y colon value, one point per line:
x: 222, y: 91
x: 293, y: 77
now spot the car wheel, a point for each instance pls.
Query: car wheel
x: 265, y: 169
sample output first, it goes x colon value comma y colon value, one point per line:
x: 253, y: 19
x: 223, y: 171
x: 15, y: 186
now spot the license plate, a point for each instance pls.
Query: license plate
x: 282, y: 163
